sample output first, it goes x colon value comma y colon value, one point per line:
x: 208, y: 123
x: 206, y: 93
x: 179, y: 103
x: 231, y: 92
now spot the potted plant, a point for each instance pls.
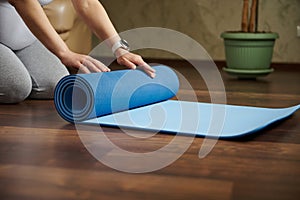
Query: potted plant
x: 249, y: 52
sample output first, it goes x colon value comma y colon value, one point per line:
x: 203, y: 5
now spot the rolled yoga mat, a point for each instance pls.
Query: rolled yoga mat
x: 131, y: 99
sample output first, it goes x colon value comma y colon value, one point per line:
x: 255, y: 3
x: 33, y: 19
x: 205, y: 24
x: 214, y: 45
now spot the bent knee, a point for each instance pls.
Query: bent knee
x: 15, y: 92
x: 45, y: 89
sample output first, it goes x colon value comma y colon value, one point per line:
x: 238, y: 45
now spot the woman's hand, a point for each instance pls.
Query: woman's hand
x: 84, y: 63
x: 132, y: 60
x: 95, y: 16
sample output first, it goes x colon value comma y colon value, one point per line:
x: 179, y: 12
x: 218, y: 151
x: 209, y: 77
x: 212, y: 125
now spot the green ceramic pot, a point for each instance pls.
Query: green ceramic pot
x: 248, y: 55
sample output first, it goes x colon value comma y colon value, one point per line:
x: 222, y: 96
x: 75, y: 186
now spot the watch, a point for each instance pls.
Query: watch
x: 120, y: 44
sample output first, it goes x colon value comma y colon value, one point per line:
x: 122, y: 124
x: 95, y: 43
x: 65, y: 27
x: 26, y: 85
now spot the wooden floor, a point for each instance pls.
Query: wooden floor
x: 42, y: 157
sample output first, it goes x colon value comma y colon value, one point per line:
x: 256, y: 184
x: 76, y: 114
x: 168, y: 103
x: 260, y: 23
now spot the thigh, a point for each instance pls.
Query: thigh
x: 44, y: 68
x: 15, y: 81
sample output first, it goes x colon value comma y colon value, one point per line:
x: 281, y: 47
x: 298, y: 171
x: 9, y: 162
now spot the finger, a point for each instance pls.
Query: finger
x: 83, y: 69
x: 147, y: 67
x: 100, y: 65
x: 150, y: 73
x: 128, y: 64
x: 91, y: 66
x: 148, y: 70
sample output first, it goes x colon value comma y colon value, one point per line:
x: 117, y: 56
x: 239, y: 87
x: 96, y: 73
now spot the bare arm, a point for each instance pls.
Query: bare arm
x: 97, y: 19
x: 95, y: 16
x: 37, y: 21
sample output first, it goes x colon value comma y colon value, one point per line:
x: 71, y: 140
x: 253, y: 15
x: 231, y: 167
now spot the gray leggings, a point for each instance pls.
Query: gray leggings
x: 30, y: 72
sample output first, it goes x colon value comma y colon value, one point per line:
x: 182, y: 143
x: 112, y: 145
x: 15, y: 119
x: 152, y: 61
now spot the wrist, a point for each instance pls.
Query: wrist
x: 120, y: 52
x: 64, y: 56
x: 63, y: 53
x: 120, y: 47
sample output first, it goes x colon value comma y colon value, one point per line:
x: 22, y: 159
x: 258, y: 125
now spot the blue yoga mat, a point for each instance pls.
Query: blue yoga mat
x: 131, y: 99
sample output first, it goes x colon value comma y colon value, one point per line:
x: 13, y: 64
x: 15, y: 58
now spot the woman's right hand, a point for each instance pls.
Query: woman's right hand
x: 37, y: 21
x: 84, y: 63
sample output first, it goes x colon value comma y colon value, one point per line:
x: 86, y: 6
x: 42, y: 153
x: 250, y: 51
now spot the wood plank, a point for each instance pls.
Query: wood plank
x: 42, y: 156
x: 59, y: 183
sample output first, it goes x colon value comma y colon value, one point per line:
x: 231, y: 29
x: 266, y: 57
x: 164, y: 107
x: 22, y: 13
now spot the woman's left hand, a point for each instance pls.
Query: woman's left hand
x: 132, y: 60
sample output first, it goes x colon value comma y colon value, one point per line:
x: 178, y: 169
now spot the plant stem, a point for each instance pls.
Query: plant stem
x: 245, y: 16
x: 252, y: 16
x: 256, y: 18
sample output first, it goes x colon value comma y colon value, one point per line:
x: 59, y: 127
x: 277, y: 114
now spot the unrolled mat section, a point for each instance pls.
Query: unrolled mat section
x: 130, y: 98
